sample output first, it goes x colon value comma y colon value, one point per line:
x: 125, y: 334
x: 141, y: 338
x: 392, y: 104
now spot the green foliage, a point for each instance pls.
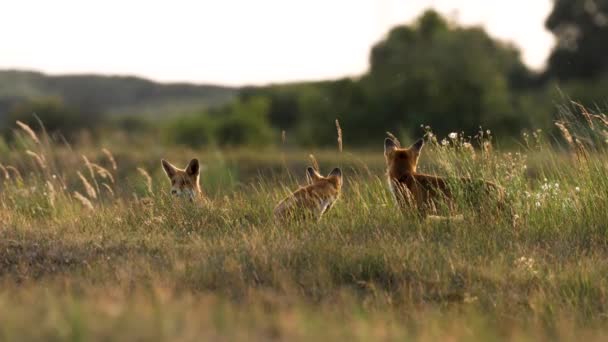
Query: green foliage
x: 194, y: 130
x: 283, y: 110
x: 431, y: 72
x: 243, y: 122
x: 581, y: 30
x: 590, y: 93
x: 446, y: 77
x: 57, y: 117
x: 316, y: 126
x: 132, y: 124
x: 110, y: 95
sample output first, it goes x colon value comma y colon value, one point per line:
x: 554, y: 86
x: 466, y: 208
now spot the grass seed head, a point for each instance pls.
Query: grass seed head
x: 29, y: 131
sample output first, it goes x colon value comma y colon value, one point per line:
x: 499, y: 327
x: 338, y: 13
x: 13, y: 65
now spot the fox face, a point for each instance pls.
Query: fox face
x: 401, y: 161
x: 184, y: 182
x: 315, y: 199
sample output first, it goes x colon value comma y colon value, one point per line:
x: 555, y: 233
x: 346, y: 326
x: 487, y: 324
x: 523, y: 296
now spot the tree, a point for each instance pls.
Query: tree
x: 429, y: 72
x: 581, y: 29
x: 436, y: 73
x: 244, y: 122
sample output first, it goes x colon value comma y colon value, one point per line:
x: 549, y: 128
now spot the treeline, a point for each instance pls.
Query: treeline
x: 431, y: 72
x: 76, y: 102
x: 435, y: 73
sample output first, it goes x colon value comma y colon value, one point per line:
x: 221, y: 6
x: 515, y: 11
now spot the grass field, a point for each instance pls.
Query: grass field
x: 97, y: 250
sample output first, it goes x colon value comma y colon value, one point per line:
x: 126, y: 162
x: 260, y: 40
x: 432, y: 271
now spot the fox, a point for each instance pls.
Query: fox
x: 185, y: 183
x: 426, y: 193
x: 312, y: 200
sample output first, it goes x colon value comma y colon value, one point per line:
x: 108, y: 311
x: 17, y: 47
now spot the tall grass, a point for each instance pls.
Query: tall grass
x: 92, y: 247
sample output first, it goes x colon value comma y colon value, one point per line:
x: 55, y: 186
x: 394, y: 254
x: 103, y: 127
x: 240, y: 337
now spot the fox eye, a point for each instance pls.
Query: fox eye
x: 173, y: 182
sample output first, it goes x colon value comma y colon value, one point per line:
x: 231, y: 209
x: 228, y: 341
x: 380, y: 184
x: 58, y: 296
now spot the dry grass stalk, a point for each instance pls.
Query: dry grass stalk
x: 51, y: 193
x: 147, y: 178
x: 5, y: 174
x: 283, y: 136
x: 38, y: 158
x: 468, y: 148
x: 585, y: 113
x: 339, y: 130
x: 565, y: 132
x: 110, y: 157
x: 16, y: 173
x: 108, y: 188
x: 604, y: 119
x: 91, y: 172
x: 89, y: 166
x: 103, y: 172
x: 314, y: 162
x: 30, y: 132
x: 580, y: 151
x: 589, y: 117
x: 394, y: 138
x: 87, y: 186
x: 486, y: 148
x: 83, y: 200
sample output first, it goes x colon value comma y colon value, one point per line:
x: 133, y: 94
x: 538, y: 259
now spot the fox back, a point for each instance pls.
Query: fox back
x: 428, y: 193
x: 314, y: 199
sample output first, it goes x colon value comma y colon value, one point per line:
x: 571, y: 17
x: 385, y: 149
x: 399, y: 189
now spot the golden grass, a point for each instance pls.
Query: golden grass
x: 81, y: 260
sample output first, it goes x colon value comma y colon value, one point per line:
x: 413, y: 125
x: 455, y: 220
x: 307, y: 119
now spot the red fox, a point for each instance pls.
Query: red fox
x: 314, y: 199
x: 184, y: 183
x: 428, y: 193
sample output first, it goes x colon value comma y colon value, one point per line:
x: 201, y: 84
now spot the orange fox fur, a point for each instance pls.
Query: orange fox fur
x: 314, y: 199
x: 184, y: 182
x: 427, y: 193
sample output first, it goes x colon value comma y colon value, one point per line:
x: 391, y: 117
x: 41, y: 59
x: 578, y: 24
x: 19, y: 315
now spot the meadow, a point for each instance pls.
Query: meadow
x: 92, y: 247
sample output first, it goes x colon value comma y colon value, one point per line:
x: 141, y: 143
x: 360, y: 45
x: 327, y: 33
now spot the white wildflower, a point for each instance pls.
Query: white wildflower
x: 526, y: 265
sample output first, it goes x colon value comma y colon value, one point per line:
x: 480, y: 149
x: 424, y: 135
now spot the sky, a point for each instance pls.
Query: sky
x: 237, y: 42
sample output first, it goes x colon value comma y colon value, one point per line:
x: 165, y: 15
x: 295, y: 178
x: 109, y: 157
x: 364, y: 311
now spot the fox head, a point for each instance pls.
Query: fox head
x: 401, y: 161
x: 333, y: 178
x: 184, y: 183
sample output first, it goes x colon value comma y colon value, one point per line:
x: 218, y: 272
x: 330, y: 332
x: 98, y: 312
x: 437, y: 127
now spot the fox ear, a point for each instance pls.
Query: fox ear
x: 312, y: 174
x: 389, y: 145
x: 193, y: 168
x: 169, y: 169
x: 417, y: 146
x: 335, y: 173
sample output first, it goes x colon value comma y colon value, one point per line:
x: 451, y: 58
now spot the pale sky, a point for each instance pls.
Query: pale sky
x: 237, y: 42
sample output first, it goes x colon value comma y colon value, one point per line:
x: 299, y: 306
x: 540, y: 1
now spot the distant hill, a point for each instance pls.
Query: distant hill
x: 110, y: 95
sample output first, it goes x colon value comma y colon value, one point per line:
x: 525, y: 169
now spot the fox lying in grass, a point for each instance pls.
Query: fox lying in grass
x: 314, y: 199
x: 428, y: 193
x: 184, y: 183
